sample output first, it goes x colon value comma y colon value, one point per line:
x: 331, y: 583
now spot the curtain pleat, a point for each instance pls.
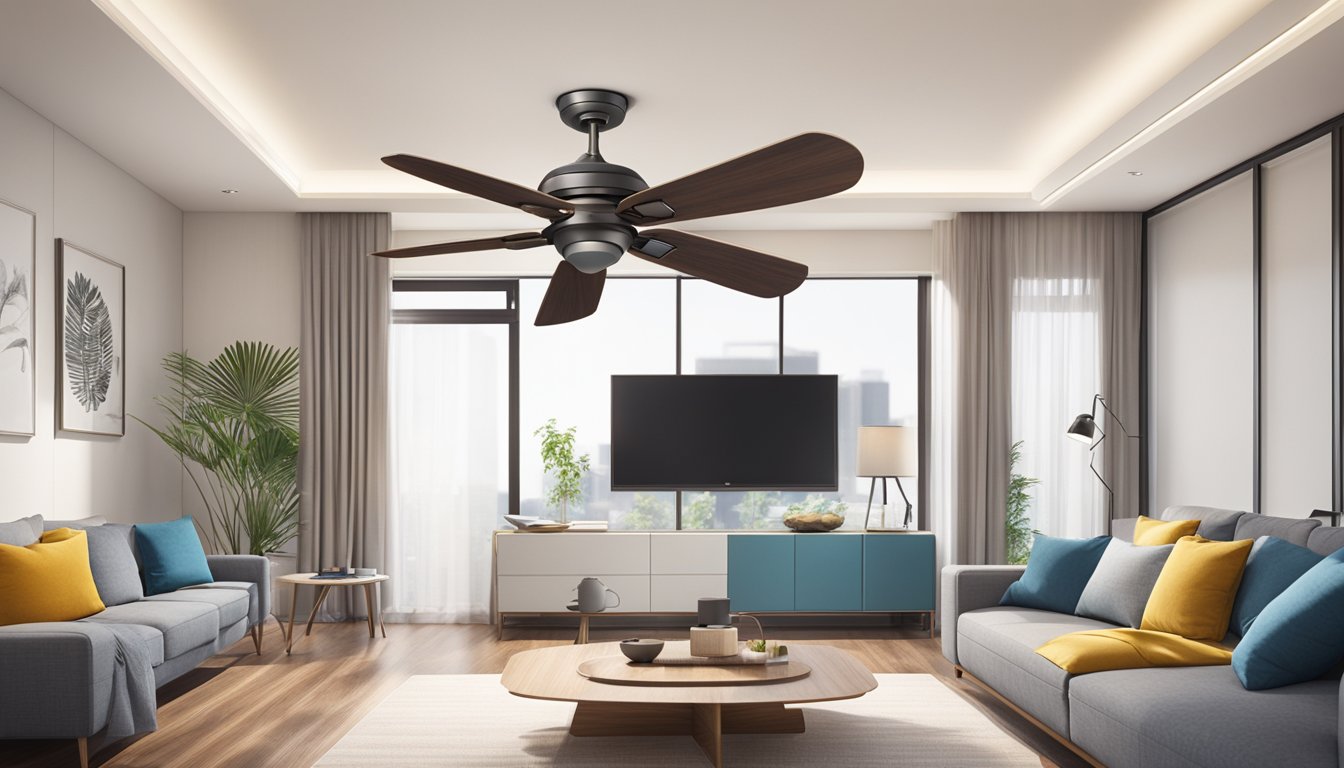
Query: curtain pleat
x: 343, y: 415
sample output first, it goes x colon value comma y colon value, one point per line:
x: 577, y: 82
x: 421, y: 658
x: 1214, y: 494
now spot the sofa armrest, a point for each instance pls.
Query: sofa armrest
x: 968, y: 588
x: 55, y: 680
x: 253, y: 568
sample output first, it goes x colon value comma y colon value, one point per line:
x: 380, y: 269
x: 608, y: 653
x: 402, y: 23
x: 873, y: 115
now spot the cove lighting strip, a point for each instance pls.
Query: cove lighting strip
x: 1314, y: 22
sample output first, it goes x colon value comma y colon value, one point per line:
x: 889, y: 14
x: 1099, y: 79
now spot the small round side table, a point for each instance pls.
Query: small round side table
x: 324, y: 586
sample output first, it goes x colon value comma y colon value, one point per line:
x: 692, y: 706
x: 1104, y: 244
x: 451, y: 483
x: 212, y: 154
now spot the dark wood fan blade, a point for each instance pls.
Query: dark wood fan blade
x: 731, y: 266
x: 802, y: 168
x: 511, y: 242
x: 480, y: 185
x: 572, y: 295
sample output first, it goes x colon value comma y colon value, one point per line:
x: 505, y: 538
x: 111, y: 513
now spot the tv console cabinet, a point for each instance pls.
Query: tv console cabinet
x: 764, y: 572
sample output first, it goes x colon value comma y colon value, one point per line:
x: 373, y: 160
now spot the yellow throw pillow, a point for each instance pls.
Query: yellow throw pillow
x: 1100, y: 650
x: 1194, y: 592
x: 1154, y: 533
x: 47, y: 581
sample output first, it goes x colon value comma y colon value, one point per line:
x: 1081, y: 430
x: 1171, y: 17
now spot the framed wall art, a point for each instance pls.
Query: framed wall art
x: 91, y: 341
x: 18, y: 329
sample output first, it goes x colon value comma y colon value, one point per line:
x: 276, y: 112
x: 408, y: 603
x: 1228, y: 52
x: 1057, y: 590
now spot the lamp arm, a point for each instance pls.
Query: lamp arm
x: 1099, y: 399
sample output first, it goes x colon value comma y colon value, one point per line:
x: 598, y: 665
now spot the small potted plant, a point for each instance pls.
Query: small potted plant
x: 559, y: 461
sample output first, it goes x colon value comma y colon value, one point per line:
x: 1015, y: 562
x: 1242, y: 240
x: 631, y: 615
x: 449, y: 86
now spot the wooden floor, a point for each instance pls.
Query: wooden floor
x: 240, y: 709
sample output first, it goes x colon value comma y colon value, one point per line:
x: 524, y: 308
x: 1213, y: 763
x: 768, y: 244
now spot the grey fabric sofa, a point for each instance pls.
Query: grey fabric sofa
x: 1184, y: 717
x: 56, y: 678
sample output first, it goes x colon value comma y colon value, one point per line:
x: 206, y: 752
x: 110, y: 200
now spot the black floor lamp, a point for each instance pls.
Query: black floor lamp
x: 1084, y: 429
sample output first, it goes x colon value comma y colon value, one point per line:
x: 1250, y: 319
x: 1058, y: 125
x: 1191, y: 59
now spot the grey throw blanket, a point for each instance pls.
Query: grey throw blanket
x: 133, y: 708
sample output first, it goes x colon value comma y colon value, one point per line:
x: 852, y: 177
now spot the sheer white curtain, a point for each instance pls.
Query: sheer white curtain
x: 449, y: 393
x: 1032, y: 315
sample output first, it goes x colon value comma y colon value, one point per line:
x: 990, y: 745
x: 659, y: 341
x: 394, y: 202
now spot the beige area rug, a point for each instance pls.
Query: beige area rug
x: 912, y: 721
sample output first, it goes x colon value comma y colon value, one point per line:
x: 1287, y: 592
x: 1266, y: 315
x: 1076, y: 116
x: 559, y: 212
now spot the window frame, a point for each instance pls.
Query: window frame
x: 510, y: 316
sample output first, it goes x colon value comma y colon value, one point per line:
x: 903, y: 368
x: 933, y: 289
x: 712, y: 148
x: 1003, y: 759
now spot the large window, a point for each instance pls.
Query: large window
x: 565, y: 374
x: 866, y: 331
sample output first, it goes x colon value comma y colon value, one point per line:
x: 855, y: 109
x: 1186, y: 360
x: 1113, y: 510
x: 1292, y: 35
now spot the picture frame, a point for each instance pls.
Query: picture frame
x: 90, y: 341
x: 18, y: 320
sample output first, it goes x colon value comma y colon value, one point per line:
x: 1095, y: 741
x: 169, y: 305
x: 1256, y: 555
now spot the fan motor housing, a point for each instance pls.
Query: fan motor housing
x: 591, y: 239
x: 591, y: 176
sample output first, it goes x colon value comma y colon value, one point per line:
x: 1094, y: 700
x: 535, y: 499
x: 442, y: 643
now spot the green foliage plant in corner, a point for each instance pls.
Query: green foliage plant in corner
x: 234, y: 424
x: 1017, y: 527
x: 559, y: 461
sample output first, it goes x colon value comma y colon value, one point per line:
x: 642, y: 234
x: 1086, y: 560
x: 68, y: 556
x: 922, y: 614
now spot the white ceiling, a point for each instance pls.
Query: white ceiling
x: 955, y: 104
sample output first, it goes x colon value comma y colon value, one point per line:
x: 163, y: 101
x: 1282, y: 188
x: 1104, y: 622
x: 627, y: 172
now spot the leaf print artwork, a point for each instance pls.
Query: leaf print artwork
x: 89, y: 349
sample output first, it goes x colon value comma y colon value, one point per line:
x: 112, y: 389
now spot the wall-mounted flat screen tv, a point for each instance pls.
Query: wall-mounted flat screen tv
x: 724, y: 433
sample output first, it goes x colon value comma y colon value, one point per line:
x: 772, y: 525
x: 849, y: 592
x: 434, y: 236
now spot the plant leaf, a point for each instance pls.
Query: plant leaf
x: 88, y: 342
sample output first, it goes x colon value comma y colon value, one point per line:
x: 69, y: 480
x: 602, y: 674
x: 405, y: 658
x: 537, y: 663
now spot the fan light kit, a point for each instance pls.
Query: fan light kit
x: 594, y: 208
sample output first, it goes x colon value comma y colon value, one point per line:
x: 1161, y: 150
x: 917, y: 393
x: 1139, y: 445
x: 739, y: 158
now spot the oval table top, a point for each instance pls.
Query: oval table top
x: 553, y: 673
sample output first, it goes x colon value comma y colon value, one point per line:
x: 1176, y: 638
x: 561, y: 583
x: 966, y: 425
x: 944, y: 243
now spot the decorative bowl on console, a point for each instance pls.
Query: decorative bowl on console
x: 815, y: 515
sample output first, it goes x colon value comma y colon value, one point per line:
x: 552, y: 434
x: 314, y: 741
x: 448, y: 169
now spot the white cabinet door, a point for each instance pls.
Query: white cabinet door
x: 543, y: 594
x: 687, y: 552
x: 681, y: 592
x: 571, y: 554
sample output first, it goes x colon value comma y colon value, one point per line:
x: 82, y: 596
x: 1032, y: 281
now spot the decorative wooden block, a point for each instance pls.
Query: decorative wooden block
x: 713, y: 641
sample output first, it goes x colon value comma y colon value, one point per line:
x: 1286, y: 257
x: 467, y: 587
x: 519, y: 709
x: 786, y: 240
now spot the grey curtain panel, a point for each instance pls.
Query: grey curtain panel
x: 343, y: 414
x: 1072, y: 281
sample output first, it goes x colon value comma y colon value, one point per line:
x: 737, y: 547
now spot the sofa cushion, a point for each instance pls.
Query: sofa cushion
x: 1299, y: 636
x: 184, y: 625
x: 1150, y: 533
x: 1194, y: 593
x: 1119, y: 588
x: 1325, y: 540
x: 78, y: 524
x: 113, y: 563
x: 231, y: 603
x: 21, y: 532
x: 1273, y: 566
x: 171, y: 556
x: 998, y: 646
x: 253, y: 603
x: 1057, y: 571
x: 1294, y: 530
x: 47, y: 581
x: 1214, y: 523
x: 1201, y: 716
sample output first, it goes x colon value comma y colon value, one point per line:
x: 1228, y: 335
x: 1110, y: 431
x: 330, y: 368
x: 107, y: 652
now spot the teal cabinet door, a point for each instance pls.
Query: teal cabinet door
x: 760, y: 572
x: 898, y: 572
x: 828, y: 572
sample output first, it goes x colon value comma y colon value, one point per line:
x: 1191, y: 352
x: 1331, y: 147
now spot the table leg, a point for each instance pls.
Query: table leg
x: 378, y: 598
x: 706, y: 723
x: 368, y: 606
x: 321, y: 596
x: 707, y: 730
x: 293, y: 608
x: 582, y: 637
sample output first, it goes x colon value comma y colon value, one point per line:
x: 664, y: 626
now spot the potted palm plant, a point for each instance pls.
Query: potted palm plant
x: 234, y: 423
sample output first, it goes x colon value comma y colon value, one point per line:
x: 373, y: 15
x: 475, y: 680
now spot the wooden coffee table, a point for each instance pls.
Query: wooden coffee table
x: 706, y: 712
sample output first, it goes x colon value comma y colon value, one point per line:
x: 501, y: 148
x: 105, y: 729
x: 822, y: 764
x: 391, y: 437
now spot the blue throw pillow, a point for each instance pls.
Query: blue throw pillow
x: 171, y: 556
x: 1299, y: 636
x: 1273, y: 566
x: 1056, y: 574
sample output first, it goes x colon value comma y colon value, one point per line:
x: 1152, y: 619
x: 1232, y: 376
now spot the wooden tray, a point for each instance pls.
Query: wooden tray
x: 618, y: 670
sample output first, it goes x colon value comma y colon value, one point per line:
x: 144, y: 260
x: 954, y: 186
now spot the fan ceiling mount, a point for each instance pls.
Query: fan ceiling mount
x: 595, y: 207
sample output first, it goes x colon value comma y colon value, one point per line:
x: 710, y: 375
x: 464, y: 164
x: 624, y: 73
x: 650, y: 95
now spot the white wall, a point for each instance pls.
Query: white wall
x: 831, y: 253
x: 80, y: 196
x: 1201, y: 337
x: 1296, y: 317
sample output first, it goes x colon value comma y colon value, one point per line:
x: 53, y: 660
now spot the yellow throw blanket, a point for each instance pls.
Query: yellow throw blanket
x: 1100, y: 650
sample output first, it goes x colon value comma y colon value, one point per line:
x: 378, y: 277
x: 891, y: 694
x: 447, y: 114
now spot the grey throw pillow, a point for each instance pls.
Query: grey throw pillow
x: 112, y: 560
x: 21, y: 532
x: 1119, y: 588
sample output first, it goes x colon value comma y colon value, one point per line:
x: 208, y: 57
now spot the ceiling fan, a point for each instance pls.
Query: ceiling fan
x: 595, y: 207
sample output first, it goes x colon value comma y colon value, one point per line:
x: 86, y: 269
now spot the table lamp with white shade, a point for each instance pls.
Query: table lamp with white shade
x: 888, y: 452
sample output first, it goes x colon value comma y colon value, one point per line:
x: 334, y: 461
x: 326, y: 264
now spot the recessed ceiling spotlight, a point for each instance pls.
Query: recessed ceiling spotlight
x: 229, y: 191
x: 1134, y: 173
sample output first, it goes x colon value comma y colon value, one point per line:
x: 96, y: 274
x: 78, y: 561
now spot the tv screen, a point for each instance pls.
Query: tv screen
x: 724, y: 433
